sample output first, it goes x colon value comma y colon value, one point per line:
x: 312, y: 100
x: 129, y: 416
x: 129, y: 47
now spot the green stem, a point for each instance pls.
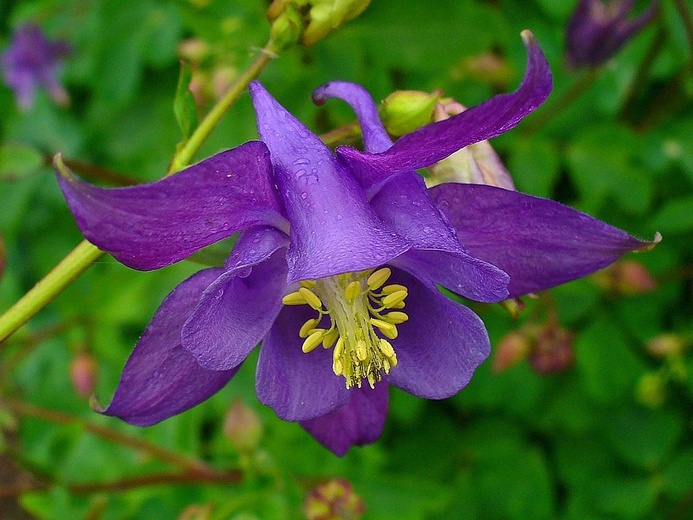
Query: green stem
x: 184, y: 156
x: 77, y: 261
x: 62, y: 275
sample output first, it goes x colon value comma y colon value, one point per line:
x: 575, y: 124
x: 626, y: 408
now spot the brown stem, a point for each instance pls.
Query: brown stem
x: 190, y: 464
x: 93, y: 172
x: 188, y: 478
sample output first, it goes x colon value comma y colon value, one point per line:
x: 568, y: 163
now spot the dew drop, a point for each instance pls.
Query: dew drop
x: 304, y: 195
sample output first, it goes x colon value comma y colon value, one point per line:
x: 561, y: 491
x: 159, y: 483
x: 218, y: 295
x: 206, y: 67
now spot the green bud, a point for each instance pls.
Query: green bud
x: 651, y: 390
x: 404, y: 111
x: 326, y: 16
x: 286, y: 29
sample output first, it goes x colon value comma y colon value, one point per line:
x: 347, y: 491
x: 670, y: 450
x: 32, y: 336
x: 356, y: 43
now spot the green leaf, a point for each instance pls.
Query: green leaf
x: 677, y: 476
x: 676, y: 216
x: 184, y: 103
x: 534, y: 166
x: 18, y: 160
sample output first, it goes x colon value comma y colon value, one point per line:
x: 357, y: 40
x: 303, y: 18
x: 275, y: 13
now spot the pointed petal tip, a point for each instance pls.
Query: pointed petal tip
x: 528, y: 37
x: 61, y: 168
x: 96, y: 405
x: 649, y: 246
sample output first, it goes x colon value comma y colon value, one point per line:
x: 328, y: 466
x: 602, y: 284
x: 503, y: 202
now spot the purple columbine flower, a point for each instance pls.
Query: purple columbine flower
x: 598, y: 29
x: 32, y: 61
x: 337, y: 264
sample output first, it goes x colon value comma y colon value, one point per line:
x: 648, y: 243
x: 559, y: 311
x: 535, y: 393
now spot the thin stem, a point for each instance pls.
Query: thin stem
x: 190, y: 464
x: 341, y: 134
x: 579, y: 87
x: 192, y: 145
x: 93, y: 172
x: 687, y: 20
x: 181, y: 479
x: 62, y: 275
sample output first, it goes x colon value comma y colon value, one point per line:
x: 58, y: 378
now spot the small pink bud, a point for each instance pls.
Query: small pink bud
x: 626, y: 277
x: 553, y: 352
x: 83, y: 373
x: 242, y: 426
x: 333, y: 500
x: 511, y: 349
x: 666, y: 345
x: 193, y: 50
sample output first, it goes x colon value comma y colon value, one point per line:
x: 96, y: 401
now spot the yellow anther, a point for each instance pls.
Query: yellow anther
x: 313, y: 341
x: 307, y: 328
x: 338, y: 348
x: 352, y: 291
x: 308, y: 284
x: 311, y: 298
x: 330, y: 338
x: 400, y: 305
x: 386, y: 348
x: 388, y: 329
x: 389, y: 289
x: 361, y: 351
x: 394, y: 298
x: 294, y: 298
x: 378, y: 278
x: 337, y: 367
x: 396, y: 317
x: 371, y: 380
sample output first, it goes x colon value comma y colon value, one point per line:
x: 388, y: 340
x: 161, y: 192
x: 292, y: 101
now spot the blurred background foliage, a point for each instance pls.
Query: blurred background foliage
x: 583, y: 412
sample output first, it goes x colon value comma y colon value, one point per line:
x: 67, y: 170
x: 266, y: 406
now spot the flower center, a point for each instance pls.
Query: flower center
x: 361, y: 309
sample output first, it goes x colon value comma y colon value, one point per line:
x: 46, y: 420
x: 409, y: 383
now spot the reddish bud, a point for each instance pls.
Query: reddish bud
x: 553, y: 351
x: 333, y: 500
x: 626, y: 277
x: 511, y: 349
x: 83, y: 373
x: 666, y: 345
x: 242, y: 426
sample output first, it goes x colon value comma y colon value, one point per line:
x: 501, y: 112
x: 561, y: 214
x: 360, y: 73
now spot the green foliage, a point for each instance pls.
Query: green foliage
x: 580, y: 444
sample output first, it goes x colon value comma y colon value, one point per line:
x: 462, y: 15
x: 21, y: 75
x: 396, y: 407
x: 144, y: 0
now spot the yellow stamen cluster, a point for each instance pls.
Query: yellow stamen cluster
x: 361, y: 309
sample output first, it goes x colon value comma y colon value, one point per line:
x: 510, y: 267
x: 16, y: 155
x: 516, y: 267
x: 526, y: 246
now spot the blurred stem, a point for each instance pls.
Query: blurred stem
x: 190, y: 464
x: 85, y: 254
x: 184, y: 156
x: 62, y: 275
x: 685, y: 14
x: 182, y: 479
x: 541, y: 117
x: 93, y: 172
x: 341, y: 134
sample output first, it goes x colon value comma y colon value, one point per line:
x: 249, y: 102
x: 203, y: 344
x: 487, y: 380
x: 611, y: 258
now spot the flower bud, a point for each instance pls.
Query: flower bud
x: 404, y: 111
x: 286, y: 29
x: 666, y: 345
x: 196, y: 512
x: 194, y: 50
x: 474, y: 164
x: 333, y: 500
x: 511, y: 349
x: 325, y: 16
x: 83, y: 373
x: 242, y: 426
x: 553, y: 351
x: 626, y: 277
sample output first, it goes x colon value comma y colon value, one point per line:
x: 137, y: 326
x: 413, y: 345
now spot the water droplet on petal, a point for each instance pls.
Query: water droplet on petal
x: 304, y: 195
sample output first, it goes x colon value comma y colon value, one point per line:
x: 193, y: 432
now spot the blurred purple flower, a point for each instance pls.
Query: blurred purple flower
x: 32, y: 61
x: 598, y: 29
x: 337, y: 264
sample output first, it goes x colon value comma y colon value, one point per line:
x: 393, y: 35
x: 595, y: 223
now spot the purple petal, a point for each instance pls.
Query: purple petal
x: 238, y: 309
x: 333, y: 230
x: 359, y: 422
x: 437, y: 141
x: 153, y: 225
x: 161, y: 379
x: 375, y: 138
x: 298, y: 386
x: 440, y: 346
x: 538, y: 242
x: 458, y: 272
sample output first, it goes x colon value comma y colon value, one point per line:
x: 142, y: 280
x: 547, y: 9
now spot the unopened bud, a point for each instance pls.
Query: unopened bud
x: 404, y: 111
x: 513, y: 306
x: 474, y: 164
x: 553, y: 351
x: 222, y: 79
x: 196, y: 512
x: 242, y: 426
x: 626, y: 277
x: 666, y: 345
x: 651, y: 390
x: 325, y: 16
x: 83, y: 373
x: 333, y: 500
x: 511, y: 349
x: 286, y: 29
x: 193, y: 50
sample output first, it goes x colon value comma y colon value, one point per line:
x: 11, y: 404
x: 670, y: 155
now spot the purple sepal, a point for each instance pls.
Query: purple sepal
x: 237, y: 310
x: 437, y: 141
x: 359, y: 422
x: 440, y: 346
x: 333, y: 229
x: 161, y: 379
x: 538, y: 242
x: 297, y: 386
x: 153, y: 225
